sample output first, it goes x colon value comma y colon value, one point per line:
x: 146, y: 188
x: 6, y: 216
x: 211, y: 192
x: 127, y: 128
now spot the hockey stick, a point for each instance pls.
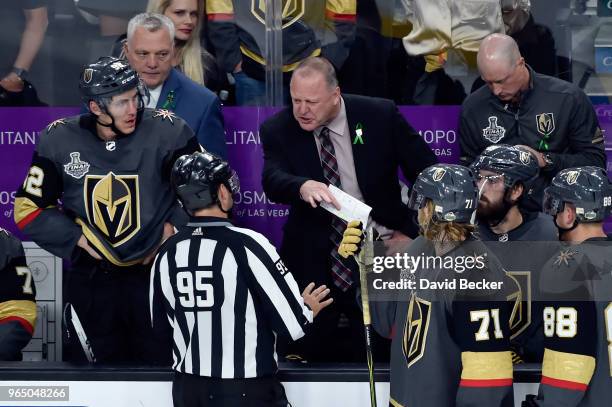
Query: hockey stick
x: 78, y: 327
x: 365, y: 261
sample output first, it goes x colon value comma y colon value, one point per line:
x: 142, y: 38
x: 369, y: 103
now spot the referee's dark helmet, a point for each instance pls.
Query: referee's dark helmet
x: 196, y: 179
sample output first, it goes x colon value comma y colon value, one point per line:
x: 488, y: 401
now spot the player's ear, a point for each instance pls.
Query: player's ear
x: 569, y: 214
x: 224, y: 196
x: 94, y: 108
x: 516, y: 192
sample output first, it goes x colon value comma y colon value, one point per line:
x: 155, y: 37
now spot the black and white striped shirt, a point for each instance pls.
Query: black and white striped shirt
x: 227, y: 295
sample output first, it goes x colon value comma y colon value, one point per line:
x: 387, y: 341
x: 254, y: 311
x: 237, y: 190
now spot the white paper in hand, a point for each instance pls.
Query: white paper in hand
x: 351, y: 208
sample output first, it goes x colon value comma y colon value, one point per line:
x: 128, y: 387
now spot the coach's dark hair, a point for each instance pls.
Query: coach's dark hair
x: 320, y: 65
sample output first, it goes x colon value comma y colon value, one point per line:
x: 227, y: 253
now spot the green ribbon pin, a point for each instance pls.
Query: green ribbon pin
x: 169, y: 103
x: 358, y: 134
x: 543, y: 145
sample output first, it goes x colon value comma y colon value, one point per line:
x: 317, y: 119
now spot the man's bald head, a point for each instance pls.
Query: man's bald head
x: 502, y: 67
x: 498, y: 51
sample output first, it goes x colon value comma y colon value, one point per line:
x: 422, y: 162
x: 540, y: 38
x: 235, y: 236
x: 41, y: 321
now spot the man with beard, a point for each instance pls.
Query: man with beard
x: 504, y: 174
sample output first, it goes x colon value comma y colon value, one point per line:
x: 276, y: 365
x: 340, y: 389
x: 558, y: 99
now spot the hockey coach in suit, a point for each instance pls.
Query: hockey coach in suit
x: 355, y: 143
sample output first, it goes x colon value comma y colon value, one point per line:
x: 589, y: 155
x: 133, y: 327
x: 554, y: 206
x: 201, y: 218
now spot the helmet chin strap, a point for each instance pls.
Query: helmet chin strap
x: 564, y: 230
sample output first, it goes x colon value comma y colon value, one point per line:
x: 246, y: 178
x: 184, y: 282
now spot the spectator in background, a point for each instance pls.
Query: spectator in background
x: 17, y: 61
x: 150, y: 50
x: 535, y: 41
x: 190, y: 58
x: 17, y: 298
x: 112, y: 17
x: 447, y: 34
x: 237, y: 33
x: 551, y: 118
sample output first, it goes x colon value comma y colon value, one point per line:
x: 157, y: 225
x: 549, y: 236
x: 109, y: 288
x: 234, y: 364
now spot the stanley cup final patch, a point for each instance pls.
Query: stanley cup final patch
x: 493, y: 132
x: 76, y: 168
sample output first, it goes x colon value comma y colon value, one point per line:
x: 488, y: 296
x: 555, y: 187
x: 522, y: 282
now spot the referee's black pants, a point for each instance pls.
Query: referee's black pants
x: 197, y: 391
x: 112, y: 304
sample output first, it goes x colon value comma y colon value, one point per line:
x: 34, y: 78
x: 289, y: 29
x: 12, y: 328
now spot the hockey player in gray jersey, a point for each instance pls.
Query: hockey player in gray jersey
x: 577, y: 293
x: 450, y: 347
x: 17, y: 298
x: 111, y: 170
x: 504, y: 175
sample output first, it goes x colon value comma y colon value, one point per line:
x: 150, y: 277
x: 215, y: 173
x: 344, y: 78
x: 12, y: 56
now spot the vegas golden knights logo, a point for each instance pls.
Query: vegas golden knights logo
x: 571, y: 177
x: 520, y: 318
x: 525, y: 157
x: 292, y: 11
x: 545, y: 123
x: 438, y: 174
x: 88, y: 75
x: 415, y: 331
x: 113, y: 206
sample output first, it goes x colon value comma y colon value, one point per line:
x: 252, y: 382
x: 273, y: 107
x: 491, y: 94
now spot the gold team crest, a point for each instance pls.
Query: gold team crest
x: 415, y: 331
x: 571, y: 177
x: 520, y: 318
x: 438, y: 174
x: 525, y: 157
x: 545, y: 123
x: 113, y: 206
x: 88, y: 75
x: 293, y: 10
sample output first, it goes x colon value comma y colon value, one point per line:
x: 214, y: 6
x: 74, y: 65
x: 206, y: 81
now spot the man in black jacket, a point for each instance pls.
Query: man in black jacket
x: 357, y: 144
x: 552, y: 118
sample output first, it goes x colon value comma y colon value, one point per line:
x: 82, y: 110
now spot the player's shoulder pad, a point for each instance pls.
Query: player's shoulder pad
x: 569, y: 269
x: 59, y: 126
x: 164, y: 124
x: 164, y: 116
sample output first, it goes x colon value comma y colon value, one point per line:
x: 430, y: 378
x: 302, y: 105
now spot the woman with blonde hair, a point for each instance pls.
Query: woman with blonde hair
x: 186, y: 16
x: 190, y: 58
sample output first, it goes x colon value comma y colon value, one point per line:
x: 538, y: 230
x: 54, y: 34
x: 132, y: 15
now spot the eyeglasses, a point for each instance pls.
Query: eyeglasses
x: 161, y: 56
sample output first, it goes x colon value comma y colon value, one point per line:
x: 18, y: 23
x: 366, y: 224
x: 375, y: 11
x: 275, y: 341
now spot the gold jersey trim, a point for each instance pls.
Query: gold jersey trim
x: 570, y: 367
x: 23, y: 309
x: 99, y: 246
x: 486, y: 365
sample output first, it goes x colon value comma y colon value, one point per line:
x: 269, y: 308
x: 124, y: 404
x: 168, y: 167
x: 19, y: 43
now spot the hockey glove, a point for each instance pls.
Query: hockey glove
x: 349, y: 246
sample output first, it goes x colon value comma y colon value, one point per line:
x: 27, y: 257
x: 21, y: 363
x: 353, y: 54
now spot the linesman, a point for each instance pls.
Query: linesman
x: 227, y: 295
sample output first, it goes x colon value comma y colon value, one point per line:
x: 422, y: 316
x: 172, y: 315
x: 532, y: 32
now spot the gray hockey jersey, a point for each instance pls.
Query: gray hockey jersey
x: 116, y: 193
x: 450, y: 345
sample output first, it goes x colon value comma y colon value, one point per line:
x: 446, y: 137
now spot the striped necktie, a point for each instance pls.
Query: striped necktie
x: 342, y: 269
